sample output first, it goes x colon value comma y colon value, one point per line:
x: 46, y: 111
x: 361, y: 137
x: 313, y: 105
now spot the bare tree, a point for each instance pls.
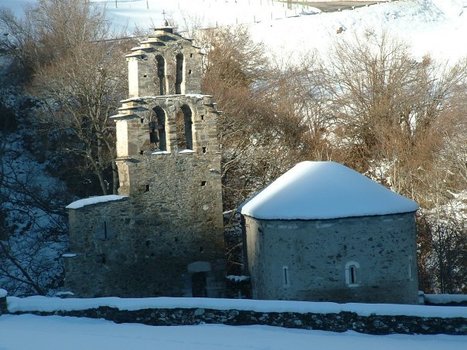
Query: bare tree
x: 390, y: 108
x: 32, y: 224
x: 79, y: 75
x: 48, y: 30
x: 443, y: 252
x: 80, y: 93
x: 261, y: 130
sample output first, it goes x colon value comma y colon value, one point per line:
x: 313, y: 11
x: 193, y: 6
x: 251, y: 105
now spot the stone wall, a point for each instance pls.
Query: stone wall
x: 336, y: 322
x: 143, y: 245
x: 309, y: 260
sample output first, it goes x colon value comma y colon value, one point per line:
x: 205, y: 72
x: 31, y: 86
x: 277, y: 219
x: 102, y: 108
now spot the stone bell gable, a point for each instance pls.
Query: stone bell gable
x: 163, y: 235
x: 164, y: 64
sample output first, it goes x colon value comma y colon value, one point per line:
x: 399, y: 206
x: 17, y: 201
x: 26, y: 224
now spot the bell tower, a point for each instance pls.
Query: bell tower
x: 168, y: 161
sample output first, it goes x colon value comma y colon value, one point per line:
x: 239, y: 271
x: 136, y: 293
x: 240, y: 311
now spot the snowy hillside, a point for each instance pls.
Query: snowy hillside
x: 429, y: 26
x: 31, y: 207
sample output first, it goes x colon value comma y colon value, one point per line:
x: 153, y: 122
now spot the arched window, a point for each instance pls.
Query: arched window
x: 351, y: 273
x: 184, y: 128
x: 161, y: 74
x: 179, y: 74
x: 157, y: 133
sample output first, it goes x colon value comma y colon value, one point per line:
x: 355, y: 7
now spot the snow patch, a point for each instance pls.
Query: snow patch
x: 237, y: 278
x: 3, y: 293
x: 160, y: 152
x: 450, y: 8
x: 94, y: 200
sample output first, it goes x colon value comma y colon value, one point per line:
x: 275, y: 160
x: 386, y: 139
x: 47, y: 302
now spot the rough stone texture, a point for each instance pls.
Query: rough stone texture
x: 341, y: 322
x: 168, y: 162
x: 316, y: 252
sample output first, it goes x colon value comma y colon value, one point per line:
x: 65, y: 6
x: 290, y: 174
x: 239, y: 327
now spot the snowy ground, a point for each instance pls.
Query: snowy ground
x: 437, y: 27
x: 28, y: 332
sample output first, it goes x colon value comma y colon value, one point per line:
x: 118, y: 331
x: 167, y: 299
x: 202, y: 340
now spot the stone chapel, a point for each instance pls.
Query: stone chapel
x: 163, y: 233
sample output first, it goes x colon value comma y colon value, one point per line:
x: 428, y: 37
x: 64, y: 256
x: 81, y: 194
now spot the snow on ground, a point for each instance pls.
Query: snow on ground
x: 437, y: 27
x: 39, y: 303
x: 27, y: 332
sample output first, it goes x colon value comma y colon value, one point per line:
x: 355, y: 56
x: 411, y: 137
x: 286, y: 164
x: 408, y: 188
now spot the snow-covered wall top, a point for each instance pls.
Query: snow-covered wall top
x: 44, y: 304
x: 94, y: 200
x: 325, y: 190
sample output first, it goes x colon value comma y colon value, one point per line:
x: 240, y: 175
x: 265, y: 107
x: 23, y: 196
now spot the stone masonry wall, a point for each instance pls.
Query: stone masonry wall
x: 336, y: 322
x: 141, y: 246
x: 315, y: 254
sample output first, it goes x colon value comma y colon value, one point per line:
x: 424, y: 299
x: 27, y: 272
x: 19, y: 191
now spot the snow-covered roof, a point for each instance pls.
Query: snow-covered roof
x: 325, y: 190
x: 94, y: 200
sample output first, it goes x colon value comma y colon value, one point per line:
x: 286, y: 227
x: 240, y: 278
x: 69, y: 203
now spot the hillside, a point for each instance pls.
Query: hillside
x: 429, y: 26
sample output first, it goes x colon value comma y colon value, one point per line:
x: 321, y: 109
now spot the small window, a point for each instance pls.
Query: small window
x: 351, y: 273
x: 203, y: 183
x: 410, y: 273
x: 105, y: 230
x: 285, y: 276
x: 204, y: 149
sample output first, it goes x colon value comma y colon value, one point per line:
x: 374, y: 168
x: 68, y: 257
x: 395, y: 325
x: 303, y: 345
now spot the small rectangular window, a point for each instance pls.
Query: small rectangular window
x: 105, y: 230
x: 410, y: 268
x: 285, y: 276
